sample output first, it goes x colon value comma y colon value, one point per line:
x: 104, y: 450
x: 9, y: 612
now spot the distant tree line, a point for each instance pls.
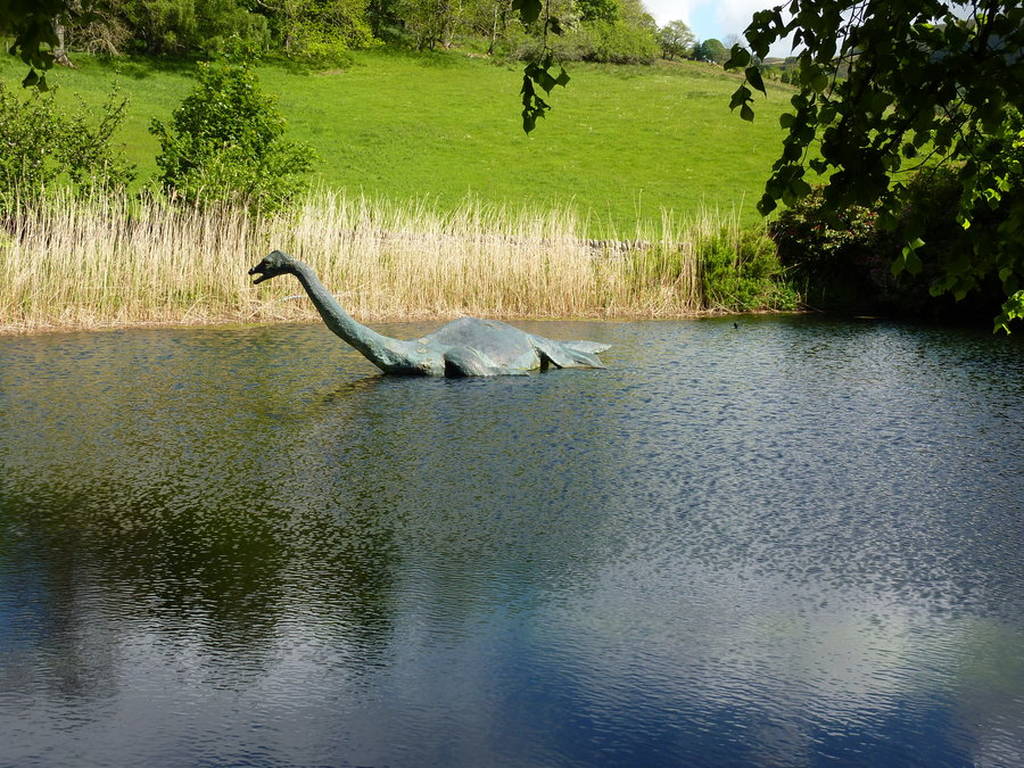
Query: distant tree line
x: 322, y: 31
x: 678, y: 42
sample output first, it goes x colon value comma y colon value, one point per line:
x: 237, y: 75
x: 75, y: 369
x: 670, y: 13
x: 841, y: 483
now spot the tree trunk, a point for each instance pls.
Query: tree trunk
x: 494, y: 31
x: 60, y: 54
x: 501, y: 10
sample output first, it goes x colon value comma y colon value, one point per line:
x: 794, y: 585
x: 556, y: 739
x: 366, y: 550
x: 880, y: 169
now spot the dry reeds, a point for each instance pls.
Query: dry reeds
x: 73, y: 263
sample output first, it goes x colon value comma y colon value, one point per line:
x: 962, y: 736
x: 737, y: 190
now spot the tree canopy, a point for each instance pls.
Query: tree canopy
x: 711, y: 50
x: 676, y: 39
x: 927, y: 85
x: 322, y: 30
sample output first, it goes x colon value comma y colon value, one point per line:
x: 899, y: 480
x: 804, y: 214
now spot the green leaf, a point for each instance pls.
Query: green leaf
x: 546, y: 81
x: 527, y: 89
x: 30, y: 79
x: 754, y: 78
x: 563, y: 77
x: 533, y: 105
x: 786, y: 120
x: 766, y: 205
x: 911, y: 261
x: 738, y: 57
x: 747, y: 113
x: 741, y: 96
x: 1012, y: 309
x: 800, y: 188
x: 886, y: 221
x: 529, y: 10
x: 897, y: 266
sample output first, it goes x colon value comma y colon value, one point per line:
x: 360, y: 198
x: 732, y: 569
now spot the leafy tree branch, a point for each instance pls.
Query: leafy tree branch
x: 536, y: 73
x: 882, y: 82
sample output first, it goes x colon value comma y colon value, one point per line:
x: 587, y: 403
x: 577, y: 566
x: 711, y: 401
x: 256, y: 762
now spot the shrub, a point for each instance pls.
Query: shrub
x: 225, y: 145
x: 837, y: 261
x: 843, y: 261
x: 809, y: 239
x: 616, y: 42
x: 40, y: 146
x: 191, y: 26
x: 740, y: 270
x: 321, y: 33
x: 933, y: 198
x: 316, y: 48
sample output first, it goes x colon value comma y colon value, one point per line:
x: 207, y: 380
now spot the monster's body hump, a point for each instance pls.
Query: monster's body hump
x: 502, y: 343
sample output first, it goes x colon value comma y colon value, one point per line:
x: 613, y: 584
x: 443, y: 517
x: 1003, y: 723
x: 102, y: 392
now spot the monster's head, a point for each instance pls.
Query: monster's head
x: 276, y: 263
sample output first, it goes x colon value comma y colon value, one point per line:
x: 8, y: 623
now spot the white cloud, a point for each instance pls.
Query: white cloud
x: 735, y: 15
x: 670, y: 10
x: 732, y: 15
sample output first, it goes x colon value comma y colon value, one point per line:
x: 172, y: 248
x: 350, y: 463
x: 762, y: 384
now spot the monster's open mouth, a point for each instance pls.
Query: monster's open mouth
x: 259, y: 271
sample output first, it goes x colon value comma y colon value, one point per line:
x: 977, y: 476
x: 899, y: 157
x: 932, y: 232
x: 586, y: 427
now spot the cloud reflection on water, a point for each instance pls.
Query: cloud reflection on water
x: 762, y: 547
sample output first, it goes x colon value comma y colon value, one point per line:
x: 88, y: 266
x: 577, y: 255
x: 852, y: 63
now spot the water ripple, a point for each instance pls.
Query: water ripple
x: 789, y: 543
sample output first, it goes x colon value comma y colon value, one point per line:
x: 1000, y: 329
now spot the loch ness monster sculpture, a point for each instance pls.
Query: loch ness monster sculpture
x: 468, y: 346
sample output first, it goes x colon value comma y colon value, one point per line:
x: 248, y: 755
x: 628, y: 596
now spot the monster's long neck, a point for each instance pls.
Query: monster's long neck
x: 380, y: 350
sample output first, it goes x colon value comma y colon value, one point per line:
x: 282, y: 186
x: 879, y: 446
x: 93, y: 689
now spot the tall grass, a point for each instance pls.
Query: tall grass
x: 74, y: 263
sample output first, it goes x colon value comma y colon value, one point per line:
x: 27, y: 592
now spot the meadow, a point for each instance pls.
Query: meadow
x: 428, y: 201
x: 621, y: 145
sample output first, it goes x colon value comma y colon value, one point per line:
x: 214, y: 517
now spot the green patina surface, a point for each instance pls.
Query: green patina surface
x: 468, y: 346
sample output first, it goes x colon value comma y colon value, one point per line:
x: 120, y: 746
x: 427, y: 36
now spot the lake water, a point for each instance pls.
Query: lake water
x: 792, y: 543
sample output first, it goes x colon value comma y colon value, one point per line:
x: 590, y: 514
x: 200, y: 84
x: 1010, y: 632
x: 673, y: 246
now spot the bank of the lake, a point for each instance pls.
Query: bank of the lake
x: 102, y: 262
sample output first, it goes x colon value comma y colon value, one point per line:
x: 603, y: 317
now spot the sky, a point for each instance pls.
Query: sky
x: 713, y: 18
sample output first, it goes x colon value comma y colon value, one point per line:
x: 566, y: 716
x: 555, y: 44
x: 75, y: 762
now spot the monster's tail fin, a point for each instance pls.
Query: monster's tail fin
x: 573, y: 354
x: 587, y: 347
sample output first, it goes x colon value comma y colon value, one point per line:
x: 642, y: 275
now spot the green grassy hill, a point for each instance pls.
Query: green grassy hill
x: 621, y: 144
